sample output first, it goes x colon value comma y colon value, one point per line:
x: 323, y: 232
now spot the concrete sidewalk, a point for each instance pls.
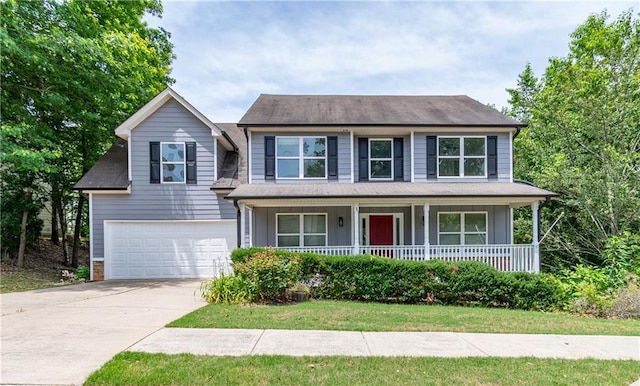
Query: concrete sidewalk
x: 353, y: 343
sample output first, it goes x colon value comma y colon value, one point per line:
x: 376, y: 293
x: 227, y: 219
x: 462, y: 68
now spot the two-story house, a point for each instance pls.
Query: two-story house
x: 406, y: 177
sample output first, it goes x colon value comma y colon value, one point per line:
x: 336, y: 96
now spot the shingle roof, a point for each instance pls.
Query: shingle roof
x: 110, y: 172
x: 389, y: 190
x: 372, y: 110
x: 234, y: 167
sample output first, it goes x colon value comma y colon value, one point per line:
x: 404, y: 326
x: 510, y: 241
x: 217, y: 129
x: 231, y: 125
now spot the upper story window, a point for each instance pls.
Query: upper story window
x: 381, y: 159
x: 173, y: 161
x: 462, y: 156
x: 301, y: 157
x: 462, y: 228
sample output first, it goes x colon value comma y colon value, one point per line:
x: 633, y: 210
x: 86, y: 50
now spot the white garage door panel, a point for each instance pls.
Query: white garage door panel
x: 140, y: 250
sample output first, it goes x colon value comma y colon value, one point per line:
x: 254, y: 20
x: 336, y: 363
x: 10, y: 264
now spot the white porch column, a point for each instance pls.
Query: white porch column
x: 355, y: 213
x: 243, y: 231
x: 536, y: 243
x: 250, y: 241
x: 426, y: 231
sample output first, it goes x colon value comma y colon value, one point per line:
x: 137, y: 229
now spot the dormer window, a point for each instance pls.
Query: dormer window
x: 301, y: 157
x: 173, y: 162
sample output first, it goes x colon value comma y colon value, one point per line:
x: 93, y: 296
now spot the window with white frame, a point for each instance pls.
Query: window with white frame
x: 462, y: 228
x: 301, y: 157
x: 172, y: 155
x: 297, y: 230
x: 381, y: 159
x: 462, y: 156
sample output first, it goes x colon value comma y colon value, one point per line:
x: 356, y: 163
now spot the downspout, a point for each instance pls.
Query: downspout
x: 238, y: 222
x: 518, y: 129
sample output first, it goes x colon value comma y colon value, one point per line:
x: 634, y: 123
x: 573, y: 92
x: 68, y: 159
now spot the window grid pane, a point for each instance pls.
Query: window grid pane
x: 380, y: 148
x: 474, y: 147
x: 314, y: 168
x: 449, y: 147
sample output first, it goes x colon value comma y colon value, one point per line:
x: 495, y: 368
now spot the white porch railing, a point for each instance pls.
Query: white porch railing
x: 503, y: 257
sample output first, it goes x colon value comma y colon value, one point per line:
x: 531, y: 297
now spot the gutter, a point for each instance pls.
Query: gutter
x: 238, y: 222
x: 226, y: 136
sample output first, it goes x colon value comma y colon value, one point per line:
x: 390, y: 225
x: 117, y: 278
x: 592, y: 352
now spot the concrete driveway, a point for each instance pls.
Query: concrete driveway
x: 61, y: 335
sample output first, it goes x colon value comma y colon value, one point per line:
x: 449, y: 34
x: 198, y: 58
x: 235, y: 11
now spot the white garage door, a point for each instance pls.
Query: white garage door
x: 160, y: 249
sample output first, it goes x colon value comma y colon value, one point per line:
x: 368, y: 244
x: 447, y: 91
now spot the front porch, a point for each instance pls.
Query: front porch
x: 405, y: 221
x: 503, y: 257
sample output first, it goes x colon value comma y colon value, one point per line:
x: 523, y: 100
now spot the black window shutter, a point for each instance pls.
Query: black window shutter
x: 363, y: 159
x: 191, y: 163
x: 332, y: 157
x: 432, y: 157
x: 270, y: 157
x: 154, y: 160
x: 492, y: 156
x: 398, y: 159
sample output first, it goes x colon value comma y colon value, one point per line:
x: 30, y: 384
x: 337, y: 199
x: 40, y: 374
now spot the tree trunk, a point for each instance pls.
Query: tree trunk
x: 23, y: 238
x: 63, y: 229
x: 76, y: 232
x: 55, y: 237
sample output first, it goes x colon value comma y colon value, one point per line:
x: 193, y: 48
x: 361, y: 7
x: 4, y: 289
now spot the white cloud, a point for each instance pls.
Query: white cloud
x: 230, y: 52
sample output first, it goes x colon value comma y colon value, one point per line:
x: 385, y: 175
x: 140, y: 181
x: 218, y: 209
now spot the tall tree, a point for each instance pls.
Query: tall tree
x: 71, y: 71
x: 583, y: 139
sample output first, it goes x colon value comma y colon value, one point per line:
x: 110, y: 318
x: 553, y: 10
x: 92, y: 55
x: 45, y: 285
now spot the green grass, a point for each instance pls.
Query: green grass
x: 355, y: 316
x: 27, y: 281
x: 130, y: 368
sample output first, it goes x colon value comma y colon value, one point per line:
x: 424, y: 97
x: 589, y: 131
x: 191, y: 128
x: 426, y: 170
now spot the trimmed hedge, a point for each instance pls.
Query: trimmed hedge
x: 369, y: 278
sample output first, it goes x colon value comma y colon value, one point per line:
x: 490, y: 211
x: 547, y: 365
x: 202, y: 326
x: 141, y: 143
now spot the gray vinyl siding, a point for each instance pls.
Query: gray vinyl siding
x: 498, y: 220
x: 147, y: 201
x: 257, y: 157
x: 420, y: 167
x: 264, y: 223
x: 406, y: 164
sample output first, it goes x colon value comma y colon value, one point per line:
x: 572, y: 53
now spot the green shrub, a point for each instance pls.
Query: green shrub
x: 269, y: 273
x: 585, y: 290
x: 227, y: 290
x: 369, y: 278
x: 83, y: 273
x: 621, y: 256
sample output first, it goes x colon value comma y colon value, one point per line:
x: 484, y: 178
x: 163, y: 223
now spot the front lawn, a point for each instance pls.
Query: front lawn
x: 26, y: 281
x: 130, y: 368
x: 356, y: 316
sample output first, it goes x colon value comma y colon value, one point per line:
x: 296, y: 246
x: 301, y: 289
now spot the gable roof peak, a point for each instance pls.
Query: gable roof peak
x: 124, y: 130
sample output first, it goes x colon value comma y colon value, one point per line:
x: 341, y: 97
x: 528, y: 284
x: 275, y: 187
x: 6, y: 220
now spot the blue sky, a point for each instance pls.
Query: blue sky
x: 230, y: 52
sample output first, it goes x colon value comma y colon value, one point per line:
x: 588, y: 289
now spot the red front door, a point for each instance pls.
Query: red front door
x: 380, y: 229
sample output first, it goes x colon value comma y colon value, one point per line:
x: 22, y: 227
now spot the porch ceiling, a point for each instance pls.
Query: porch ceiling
x: 505, y: 193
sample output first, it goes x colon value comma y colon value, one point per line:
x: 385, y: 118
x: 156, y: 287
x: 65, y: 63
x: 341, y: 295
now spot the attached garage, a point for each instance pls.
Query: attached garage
x: 167, y: 249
